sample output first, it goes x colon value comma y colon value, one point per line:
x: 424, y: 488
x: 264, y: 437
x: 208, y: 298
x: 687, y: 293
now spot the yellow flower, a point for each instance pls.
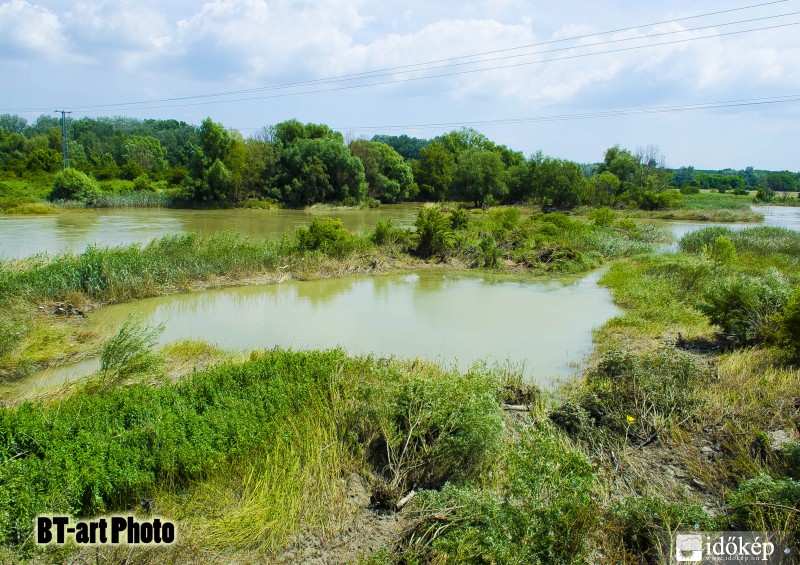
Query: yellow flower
x: 630, y: 418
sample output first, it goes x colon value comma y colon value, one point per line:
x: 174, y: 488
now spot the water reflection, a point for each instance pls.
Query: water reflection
x: 445, y: 318
x: 21, y: 236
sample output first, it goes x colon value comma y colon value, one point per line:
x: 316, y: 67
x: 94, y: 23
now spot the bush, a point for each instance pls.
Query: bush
x: 642, y: 396
x: 688, y: 189
x: 492, y: 253
x: 721, y: 251
x: 425, y: 428
x: 786, y: 331
x: 387, y: 234
x: 433, y: 232
x: 604, y: 216
x: 71, y: 184
x: 459, y: 219
x: 648, y: 525
x: 744, y: 305
x: 547, y: 513
x: 766, y: 504
x: 326, y: 235
x: 130, y: 352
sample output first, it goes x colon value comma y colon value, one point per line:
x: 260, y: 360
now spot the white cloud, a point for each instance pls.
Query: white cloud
x: 28, y: 29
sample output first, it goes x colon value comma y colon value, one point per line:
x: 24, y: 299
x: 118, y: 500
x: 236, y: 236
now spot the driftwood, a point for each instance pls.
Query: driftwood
x: 516, y: 407
x: 405, y: 500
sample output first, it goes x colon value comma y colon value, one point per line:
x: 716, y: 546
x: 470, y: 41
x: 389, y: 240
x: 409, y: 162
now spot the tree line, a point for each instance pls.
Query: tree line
x: 300, y: 164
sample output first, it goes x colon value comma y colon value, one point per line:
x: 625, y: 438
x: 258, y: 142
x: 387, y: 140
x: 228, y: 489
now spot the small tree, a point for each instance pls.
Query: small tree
x: 71, y: 184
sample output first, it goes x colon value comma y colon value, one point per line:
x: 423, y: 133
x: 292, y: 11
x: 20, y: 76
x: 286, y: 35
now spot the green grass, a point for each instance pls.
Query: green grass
x: 705, y: 207
x: 244, y: 455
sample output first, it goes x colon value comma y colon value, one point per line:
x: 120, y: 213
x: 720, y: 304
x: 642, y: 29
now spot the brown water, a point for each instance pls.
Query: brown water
x: 456, y: 320
x: 21, y: 236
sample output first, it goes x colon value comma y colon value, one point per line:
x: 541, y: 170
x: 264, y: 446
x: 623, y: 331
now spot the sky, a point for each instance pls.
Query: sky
x: 370, y: 67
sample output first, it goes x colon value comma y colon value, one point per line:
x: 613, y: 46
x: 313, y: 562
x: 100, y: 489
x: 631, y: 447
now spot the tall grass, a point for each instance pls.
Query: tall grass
x: 127, y: 273
x: 133, y: 199
x: 244, y: 455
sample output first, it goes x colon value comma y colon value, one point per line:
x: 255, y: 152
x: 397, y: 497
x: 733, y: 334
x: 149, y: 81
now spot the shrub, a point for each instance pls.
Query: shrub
x: 143, y: 183
x: 433, y: 232
x: 648, y: 525
x: 547, y: 513
x: 786, y: 332
x: 492, y: 253
x: 130, y: 352
x: 425, y: 428
x: 71, y: 184
x: 688, y: 189
x: 744, y: 305
x: 387, y: 234
x: 791, y: 457
x: 766, y: 504
x: 326, y: 235
x: 721, y: 251
x: 604, y: 216
x: 459, y: 219
x: 643, y: 395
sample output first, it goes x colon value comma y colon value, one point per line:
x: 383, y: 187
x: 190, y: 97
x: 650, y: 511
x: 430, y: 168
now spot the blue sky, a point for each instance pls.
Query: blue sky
x: 87, y: 55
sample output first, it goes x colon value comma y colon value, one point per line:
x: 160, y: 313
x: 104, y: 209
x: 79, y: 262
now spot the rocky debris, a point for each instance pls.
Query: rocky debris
x: 779, y: 438
x: 61, y: 309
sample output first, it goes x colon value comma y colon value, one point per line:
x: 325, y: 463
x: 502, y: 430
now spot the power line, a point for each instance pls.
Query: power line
x: 588, y: 115
x: 373, y: 74
x: 377, y: 73
x: 456, y: 73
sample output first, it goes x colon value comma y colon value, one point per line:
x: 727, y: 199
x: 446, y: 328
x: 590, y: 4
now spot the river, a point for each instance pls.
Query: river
x: 543, y: 326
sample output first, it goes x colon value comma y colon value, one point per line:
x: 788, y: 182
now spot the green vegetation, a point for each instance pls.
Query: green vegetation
x: 228, y: 433
x: 167, y: 163
x: 502, y: 238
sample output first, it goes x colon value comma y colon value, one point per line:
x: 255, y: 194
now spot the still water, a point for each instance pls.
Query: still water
x: 21, y: 236
x: 456, y: 320
x: 545, y: 325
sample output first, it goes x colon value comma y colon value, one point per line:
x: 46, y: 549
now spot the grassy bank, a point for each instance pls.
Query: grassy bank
x: 244, y: 456
x: 500, y: 239
x: 691, y: 400
x: 704, y: 207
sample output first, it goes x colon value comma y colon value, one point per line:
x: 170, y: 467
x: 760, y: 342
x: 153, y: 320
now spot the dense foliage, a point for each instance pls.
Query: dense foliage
x: 300, y: 164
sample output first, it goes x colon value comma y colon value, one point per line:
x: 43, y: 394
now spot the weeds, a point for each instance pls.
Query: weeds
x: 130, y: 352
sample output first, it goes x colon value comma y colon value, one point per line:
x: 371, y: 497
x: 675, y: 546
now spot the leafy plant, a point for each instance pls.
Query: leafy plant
x: 130, y: 352
x: 433, y: 232
x: 71, y: 184
x: 744, y: 305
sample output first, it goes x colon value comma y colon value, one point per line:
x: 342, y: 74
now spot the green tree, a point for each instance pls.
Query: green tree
x: 408, y: 147
x: 479, y: 176
x: 387, y: 174
x: 321, y: 170
x: 558, y: 183
x: 288, y: 132
x: 146, y: 151
x: 604, y: 189
x: 46, y: 160
x: 434, y: 171
x: 782, y: 181
x: 215, y: 141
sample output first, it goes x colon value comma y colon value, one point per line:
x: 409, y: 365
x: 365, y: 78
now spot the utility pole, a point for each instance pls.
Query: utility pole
x: 64, y: 140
